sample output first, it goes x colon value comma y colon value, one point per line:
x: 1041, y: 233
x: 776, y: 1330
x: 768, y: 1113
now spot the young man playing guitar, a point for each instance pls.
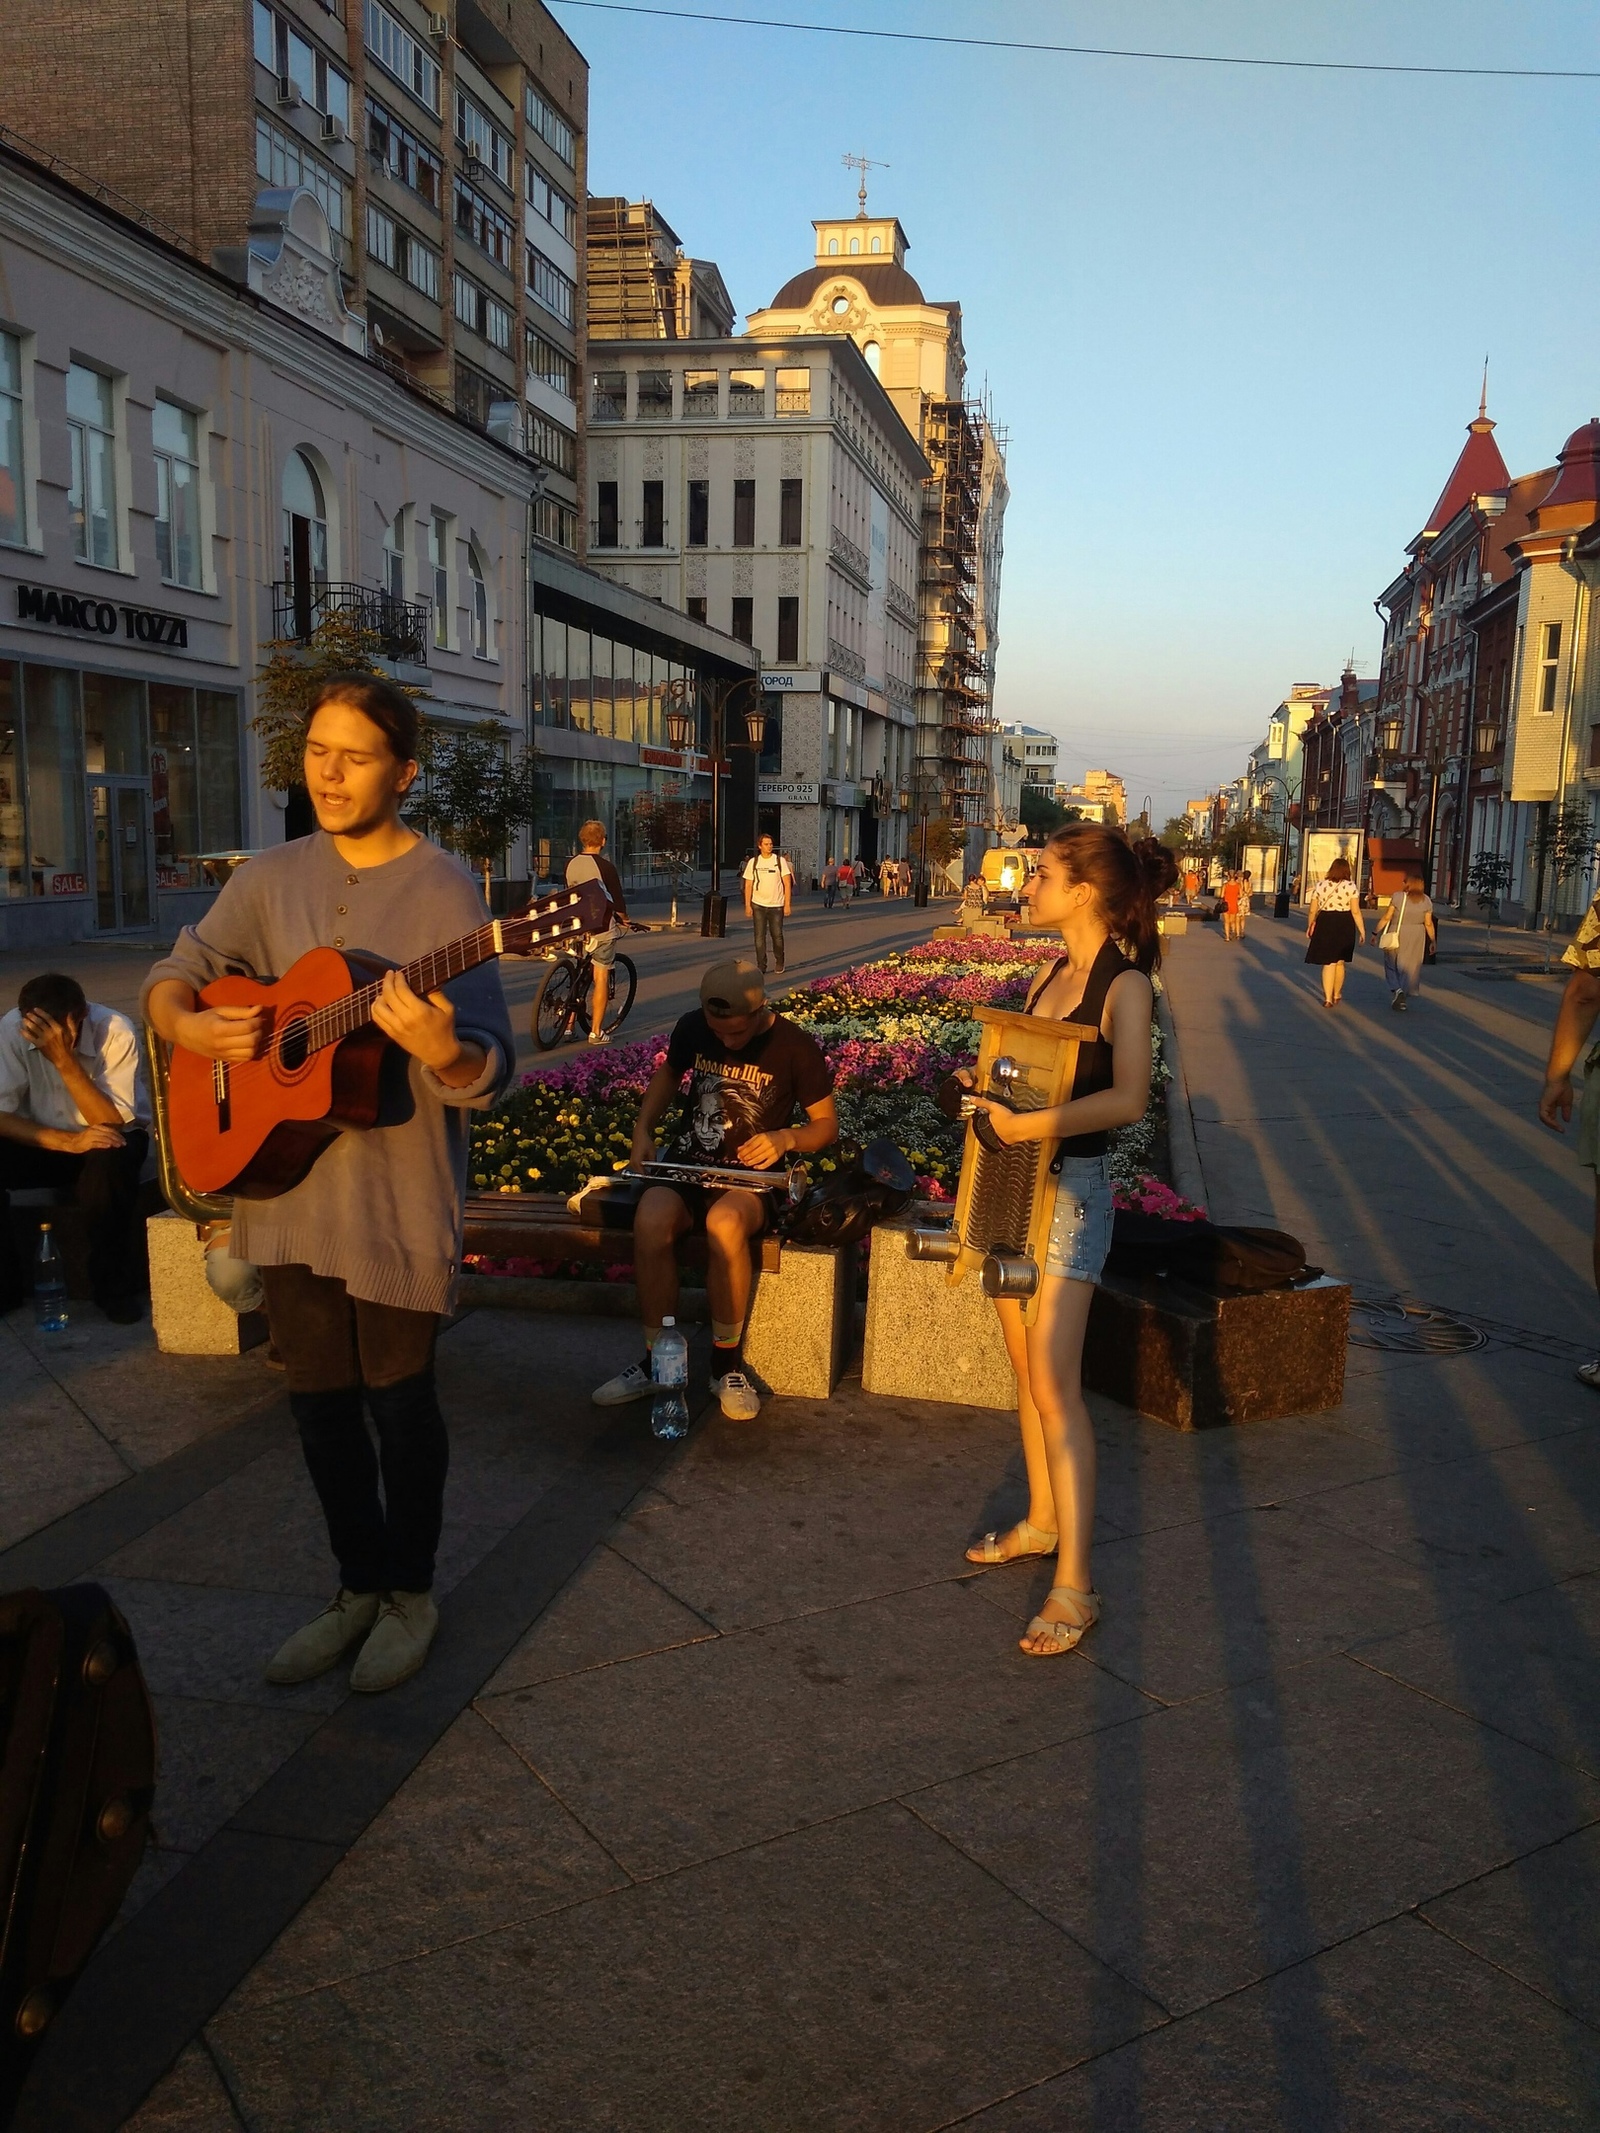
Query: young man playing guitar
x: 359, y: 1259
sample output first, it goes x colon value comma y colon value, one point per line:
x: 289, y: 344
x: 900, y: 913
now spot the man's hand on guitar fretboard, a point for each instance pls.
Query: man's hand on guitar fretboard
x: 424, y: 1027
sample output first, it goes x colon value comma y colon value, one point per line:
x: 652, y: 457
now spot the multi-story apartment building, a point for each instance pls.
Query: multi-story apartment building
x: 1038, y: 751
x: 191, y: 468
x: 446, y: 144
x: 767, y: 487
x: 858, y: 284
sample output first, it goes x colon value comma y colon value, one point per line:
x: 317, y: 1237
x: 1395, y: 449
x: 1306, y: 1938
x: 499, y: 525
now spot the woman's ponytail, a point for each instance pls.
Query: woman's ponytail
x: 1126, y: 877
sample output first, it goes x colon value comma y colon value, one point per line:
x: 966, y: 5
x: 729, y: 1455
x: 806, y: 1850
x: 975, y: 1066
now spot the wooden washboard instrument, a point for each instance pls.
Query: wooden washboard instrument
x: 1006, y: 1196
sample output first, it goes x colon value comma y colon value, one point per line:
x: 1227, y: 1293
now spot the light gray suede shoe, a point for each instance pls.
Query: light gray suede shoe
x: 323, y: 1643
x: 398, y: 1644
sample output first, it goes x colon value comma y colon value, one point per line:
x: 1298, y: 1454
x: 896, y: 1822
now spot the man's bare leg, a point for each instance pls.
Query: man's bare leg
x: 602, y: 993
x: 660, y: 1220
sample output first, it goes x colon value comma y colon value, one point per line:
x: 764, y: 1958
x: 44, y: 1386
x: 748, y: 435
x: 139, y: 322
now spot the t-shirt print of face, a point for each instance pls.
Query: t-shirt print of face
x: 734, y: 1095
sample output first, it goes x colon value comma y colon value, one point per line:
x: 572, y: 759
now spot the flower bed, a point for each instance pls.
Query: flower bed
x: 890, y: 1030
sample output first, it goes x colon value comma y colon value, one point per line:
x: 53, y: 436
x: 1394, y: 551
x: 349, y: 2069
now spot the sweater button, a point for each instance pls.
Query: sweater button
x: 338, y: 940
x: 353, y: 879
x: 343, y: 908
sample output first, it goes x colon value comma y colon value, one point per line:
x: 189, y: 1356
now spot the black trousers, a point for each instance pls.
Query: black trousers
x: 341, y: 1352
x: 105, y: 1185
x: 769, y: 930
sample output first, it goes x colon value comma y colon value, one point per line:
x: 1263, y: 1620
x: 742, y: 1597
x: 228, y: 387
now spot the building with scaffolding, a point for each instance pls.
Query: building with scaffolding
x: 643, y: 286
x: 858, y: 285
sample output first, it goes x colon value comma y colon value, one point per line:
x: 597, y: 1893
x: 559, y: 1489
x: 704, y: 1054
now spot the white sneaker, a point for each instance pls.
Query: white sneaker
x: 398, y: 1644
x: 736, y: 1396
x: 634, y: 1383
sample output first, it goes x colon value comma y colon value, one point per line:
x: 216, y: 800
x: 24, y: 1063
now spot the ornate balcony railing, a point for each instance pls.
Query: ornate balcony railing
x: 400, y: 626
x: 843, y: 661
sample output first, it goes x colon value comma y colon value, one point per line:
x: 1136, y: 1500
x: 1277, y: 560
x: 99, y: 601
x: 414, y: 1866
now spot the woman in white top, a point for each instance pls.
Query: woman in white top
x: 1333, y: 929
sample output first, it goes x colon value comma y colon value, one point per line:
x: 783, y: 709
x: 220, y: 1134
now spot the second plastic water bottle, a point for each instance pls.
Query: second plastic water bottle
x: 49, y: 1284
x: 669, y: 1370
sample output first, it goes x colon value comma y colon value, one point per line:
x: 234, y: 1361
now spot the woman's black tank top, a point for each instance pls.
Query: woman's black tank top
x: 1094, y: 1069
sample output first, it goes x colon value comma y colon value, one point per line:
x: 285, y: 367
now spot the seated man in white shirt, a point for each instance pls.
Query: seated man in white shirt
x: 74, y: 1112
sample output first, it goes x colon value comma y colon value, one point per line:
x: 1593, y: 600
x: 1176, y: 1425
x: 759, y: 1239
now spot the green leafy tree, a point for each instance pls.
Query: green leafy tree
x: 938, y: 841
x: 1041, y: 815
x: 474, y: 798
x: 286, y: 682
x: 1175, y: 833
x: 1489, y: 877
x: 1247, y: 830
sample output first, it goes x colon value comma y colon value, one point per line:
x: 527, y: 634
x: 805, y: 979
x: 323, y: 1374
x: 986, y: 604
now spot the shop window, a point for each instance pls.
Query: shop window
x: 53, y: 753
x: 113, y: 726
x: 788, y: 628
x: 221, y: 816
x: 744, y: 514
x: 13, y: 814
x: 92, y: 482
x: 176, y: 435
x: 174, y: 776
x: 13, y: 443
x: 551, y: 709
x: 578, y: 705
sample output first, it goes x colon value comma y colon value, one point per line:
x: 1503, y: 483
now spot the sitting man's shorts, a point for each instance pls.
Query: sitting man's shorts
x: 697, y: 1198
x: 1588, y: 1138
x: 601, y: 948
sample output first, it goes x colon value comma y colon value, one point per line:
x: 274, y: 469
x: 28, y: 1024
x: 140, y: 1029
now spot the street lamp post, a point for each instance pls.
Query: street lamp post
x: 681, y: 721
x: 1280, y: 898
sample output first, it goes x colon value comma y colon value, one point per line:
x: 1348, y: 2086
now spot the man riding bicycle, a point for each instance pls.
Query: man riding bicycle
x: 590, y: 864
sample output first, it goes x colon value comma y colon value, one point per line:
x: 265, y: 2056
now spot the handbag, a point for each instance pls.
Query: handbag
x: 1390, y: 936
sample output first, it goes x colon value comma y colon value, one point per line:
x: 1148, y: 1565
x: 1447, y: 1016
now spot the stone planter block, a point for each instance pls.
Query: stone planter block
x: 797, y: 1337
x: 925, y: 1340
x: 1198, y: 1362
x: 188, y: 1318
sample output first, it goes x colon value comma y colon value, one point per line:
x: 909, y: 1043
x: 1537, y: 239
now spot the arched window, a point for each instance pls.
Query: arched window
x: 833, y: 247
x: 872, y: 352
x: 855, y: 244
x: 877, y: 244
x: 482, y: 634
x: 394, y: 555
x: 305, y: 525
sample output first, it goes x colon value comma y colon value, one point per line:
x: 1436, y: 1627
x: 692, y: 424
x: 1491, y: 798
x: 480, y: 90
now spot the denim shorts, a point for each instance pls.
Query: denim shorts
x: 601, y: 948
x: 1080, y: 1227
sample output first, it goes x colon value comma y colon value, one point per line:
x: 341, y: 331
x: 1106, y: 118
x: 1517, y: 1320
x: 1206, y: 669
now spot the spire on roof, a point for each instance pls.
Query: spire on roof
x: 1479, y: 471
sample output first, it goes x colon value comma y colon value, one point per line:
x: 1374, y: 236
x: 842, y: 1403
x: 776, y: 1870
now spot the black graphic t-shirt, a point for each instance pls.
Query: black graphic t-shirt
x: 733, y: 1095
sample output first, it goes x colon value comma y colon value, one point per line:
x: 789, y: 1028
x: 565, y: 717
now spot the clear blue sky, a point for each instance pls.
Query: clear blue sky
x: 1233, y: 319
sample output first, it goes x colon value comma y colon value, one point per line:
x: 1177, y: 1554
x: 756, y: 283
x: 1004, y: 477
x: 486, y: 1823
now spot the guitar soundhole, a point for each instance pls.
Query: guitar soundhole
x: 294, y: 1045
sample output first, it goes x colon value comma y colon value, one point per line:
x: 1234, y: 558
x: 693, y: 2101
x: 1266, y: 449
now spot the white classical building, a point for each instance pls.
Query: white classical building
x: 766, y: 487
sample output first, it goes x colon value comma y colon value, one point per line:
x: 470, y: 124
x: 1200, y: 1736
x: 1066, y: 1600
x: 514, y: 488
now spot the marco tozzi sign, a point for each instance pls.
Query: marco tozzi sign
x: 46, y: 608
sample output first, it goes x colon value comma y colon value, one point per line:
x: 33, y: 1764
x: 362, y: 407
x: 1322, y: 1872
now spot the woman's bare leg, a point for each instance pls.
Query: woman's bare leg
x: 1329, y: 982
x: 1055, y: 1378
x: 1041, y: 1496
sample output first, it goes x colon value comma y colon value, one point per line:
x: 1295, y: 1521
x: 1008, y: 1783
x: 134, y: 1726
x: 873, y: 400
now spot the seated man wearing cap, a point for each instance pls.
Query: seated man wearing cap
x: 750, y: 1070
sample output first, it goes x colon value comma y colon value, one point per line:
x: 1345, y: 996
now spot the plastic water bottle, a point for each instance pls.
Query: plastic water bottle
x: 49, y: 1285
x: 669, y: 1371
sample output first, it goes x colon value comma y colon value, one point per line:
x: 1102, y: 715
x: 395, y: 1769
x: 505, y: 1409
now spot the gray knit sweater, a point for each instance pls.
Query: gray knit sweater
x: 379, y: 1209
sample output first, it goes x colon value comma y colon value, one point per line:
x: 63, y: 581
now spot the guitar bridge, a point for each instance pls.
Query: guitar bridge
x: 220, y: 1095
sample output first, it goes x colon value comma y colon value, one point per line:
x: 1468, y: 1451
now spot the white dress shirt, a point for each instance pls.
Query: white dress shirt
x: 108, y: 1047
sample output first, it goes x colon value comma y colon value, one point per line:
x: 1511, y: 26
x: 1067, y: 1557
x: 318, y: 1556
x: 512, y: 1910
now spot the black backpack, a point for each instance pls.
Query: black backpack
x: 1223, y: 1259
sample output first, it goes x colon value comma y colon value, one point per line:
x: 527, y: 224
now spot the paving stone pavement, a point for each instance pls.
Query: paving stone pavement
x: 752, y: 1816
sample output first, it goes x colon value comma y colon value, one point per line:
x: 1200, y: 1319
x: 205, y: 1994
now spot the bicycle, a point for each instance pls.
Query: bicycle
x: 564, y: 1003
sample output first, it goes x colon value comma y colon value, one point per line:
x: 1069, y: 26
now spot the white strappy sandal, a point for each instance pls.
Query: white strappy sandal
x: 1063, y: 1635
x: 1035, y: 1541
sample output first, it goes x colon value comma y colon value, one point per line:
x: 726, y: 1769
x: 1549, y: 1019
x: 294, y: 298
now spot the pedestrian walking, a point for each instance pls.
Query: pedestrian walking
x: 1230, y: 908
x: 905, y: 877
x: 1333, y: 929
x: 847, y: 881
x: 830, y: 883
x: 1407, y: 931
x: 1575, y: 1020
x: 768, y: 899
x: 1243, y: 911
x: 886, y: 878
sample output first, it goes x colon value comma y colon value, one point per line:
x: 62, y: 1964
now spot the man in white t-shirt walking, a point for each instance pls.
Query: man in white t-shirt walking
x: 768, y: 896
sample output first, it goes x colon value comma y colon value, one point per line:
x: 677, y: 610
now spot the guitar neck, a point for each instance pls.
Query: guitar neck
x: 342, y: 1018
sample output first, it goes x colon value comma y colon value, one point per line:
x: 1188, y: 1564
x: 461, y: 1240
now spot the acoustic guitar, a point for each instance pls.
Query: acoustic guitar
x: 254, y: 1127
